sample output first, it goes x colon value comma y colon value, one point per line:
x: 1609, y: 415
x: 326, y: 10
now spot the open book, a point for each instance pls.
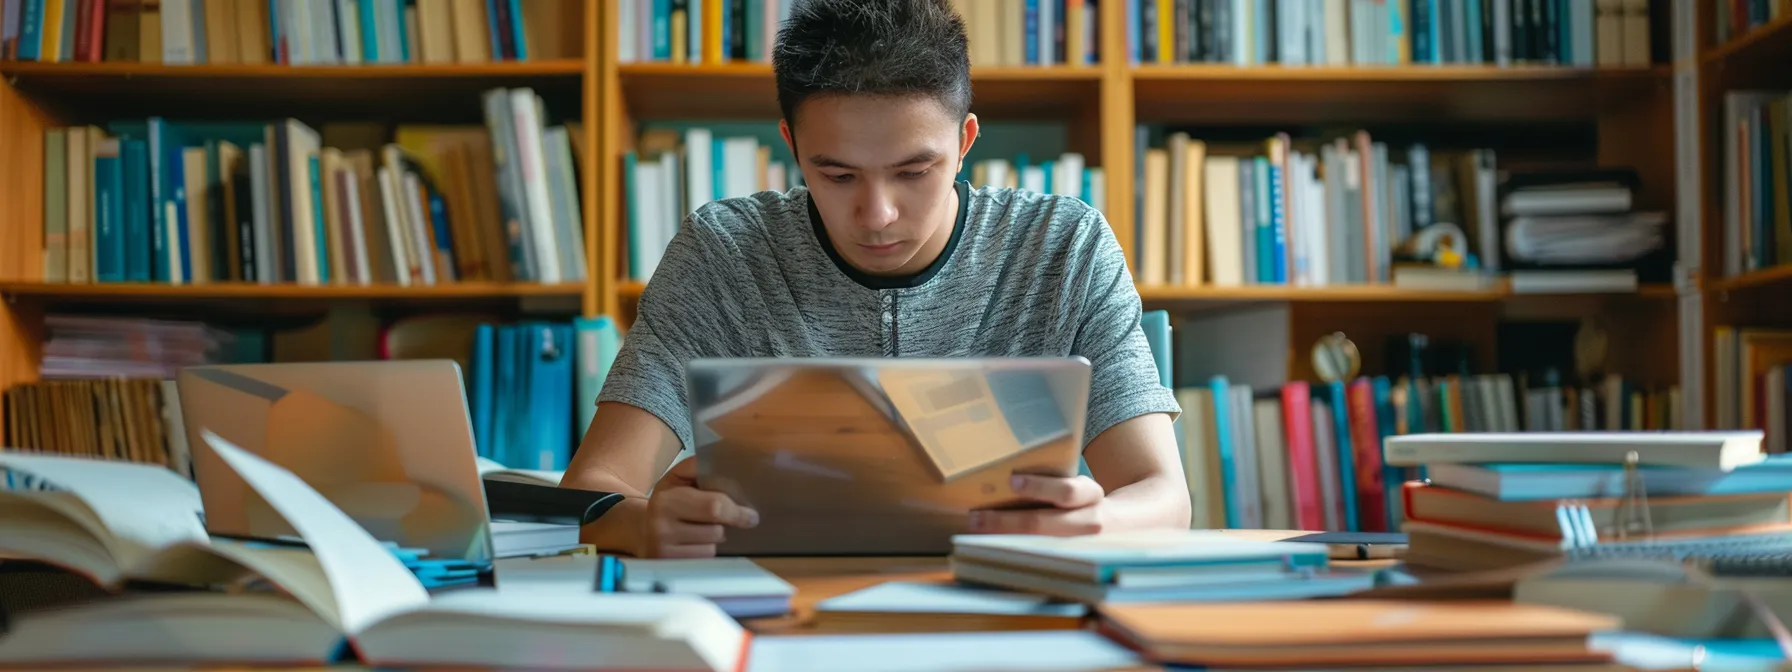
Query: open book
x: 344, y: 592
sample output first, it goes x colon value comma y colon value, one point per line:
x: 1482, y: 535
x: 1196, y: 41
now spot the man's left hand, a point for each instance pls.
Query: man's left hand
x: 1075, y: 508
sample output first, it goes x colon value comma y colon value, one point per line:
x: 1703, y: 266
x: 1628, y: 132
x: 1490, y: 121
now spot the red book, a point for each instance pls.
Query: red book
x: 1303, y: 465
x: 1365, y: 444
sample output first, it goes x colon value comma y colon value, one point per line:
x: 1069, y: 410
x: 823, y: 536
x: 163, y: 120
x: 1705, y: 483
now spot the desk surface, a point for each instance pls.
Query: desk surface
x: 819, y: 578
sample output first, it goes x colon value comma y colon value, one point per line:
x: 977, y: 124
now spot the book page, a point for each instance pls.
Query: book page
x: 369, y: 583
x: 140, y: 507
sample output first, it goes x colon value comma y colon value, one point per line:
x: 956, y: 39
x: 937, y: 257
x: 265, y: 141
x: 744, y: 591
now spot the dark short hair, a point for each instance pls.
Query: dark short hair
x: 873, y: 47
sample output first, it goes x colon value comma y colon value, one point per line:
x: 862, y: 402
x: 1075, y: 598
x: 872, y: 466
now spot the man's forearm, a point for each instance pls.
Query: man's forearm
x: 1158, y: 501
x: 620, y: 529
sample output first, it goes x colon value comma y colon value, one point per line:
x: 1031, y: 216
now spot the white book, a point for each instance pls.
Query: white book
x: 740, y: 166
x: 739, y: 586
x: 418, y: 228
x: 569, y: 227
x: 627, y: 31
x: 1090, y: 557
x: 1224, y: 224
x: 177, y: 33
x: 525, y: 116
x: 351, y: 192
x: 1705, y: 450
x: 348, y: 26
x: 404, y: 270
x: 346, y: 588
x: 699, y: 174
x: 647, y: 192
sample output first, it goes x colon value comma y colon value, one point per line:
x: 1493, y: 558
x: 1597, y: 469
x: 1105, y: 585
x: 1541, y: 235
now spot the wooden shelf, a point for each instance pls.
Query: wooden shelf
x: 1777, y: 278
x: 748, y: 91
x: 1757, y: 58
x: 1197, y: 93
x: 96, y: 92
x: 287, y: 291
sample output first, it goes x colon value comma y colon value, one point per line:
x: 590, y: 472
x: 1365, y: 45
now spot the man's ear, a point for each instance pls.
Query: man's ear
x: 784, y: 130
x: 967, y: 137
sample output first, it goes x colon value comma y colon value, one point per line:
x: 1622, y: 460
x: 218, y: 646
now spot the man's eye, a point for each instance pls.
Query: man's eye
x: 841, y: 178
x: 912, y: 174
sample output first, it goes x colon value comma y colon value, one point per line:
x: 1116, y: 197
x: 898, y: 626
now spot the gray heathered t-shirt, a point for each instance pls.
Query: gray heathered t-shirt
x: 1025, y: 274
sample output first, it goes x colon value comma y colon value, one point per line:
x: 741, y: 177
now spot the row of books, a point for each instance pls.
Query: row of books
x: 698, y: 31
x: 1309, y: 455
x: 1750, y: 365
x: 295, y: 32
x: 1732, y: 19
x: 533, y: 388
x: 191, y: 203
x: 1395, y: 32
x: 1757, y: 178
x: 1031, y: 32
x: 1714, y: 499
x: 1066, y: 175
x: 112, y: 417
x: 671, y: 173
x: 1305, y: 213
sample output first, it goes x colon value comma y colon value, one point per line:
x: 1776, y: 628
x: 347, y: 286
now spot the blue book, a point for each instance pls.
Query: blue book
x: 1346, y: 455
x: 31, y: 34
x: 598, y: 342
x: 484, y: 378
x: 516, y: 31
x: 370, y: 31
x: 159, y: 187
x: 503, y: 394
x: 1222, y: 428
x: 108, y: 216
x: 1541, y: 481
x: 320, y: 227
x: 139, y: 260
x: 662, y: 30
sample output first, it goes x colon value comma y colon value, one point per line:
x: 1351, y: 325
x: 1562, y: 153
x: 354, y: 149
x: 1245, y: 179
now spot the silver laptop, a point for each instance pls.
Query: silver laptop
x: 878, y: 456
x: 388, y: 442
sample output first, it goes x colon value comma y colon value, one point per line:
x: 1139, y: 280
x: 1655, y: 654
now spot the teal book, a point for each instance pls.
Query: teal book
x: 1156, y: 325
x: 598, y: 341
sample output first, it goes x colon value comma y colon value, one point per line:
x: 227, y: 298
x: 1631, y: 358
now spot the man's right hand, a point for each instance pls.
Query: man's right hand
x: 686, y: 522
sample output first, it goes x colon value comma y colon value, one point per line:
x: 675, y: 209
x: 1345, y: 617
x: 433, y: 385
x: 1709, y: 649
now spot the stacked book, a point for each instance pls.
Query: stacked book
x: 1151, y: 565
x: 1496, y: 501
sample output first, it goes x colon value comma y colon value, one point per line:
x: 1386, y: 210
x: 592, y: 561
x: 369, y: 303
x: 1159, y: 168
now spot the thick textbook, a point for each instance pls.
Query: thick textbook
x: 1705, y: 450
x: 351, y: 595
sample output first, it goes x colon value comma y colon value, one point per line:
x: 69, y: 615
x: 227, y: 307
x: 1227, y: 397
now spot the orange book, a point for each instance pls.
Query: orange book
x: 1357, y: 632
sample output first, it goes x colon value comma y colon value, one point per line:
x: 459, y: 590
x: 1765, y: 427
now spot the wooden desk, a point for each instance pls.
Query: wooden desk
x: 819, y: 578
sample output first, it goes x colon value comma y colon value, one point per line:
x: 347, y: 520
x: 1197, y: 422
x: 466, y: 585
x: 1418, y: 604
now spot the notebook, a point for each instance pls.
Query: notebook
x: 1358, y: 632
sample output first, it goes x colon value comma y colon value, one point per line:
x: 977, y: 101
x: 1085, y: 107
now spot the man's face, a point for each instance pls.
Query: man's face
x: 880, y: 171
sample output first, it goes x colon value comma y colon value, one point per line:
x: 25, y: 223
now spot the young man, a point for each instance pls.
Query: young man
x: 882, y: 255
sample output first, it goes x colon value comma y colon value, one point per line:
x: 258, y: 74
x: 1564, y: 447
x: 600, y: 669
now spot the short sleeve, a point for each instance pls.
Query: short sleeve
x: 1124, y: 382
x: 682, y: 315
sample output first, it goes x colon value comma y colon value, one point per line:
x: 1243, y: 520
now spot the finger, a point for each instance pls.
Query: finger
x: 693, y: 533
x: 688, y: 551
x: 703, y: 506
x: 1064, y: 493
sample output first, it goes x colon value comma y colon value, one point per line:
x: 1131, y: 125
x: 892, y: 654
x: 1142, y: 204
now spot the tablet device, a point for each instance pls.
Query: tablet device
x: 878, y: 456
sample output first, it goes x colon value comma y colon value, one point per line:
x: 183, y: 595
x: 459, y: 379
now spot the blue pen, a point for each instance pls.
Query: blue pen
x: 609, y: 574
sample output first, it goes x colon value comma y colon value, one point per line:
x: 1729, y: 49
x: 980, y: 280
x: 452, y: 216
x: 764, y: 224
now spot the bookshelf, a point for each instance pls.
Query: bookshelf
x: 427, y: 90
x: 1744, y: 310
